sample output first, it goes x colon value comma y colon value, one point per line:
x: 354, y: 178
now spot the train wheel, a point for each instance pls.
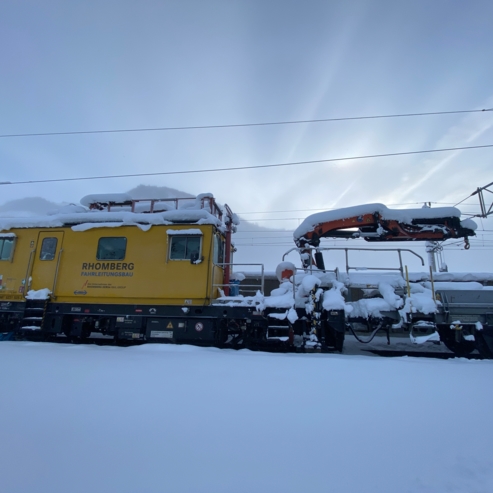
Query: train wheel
x: 483, y: 347
x: 459, y: 347
x: 462, y: 348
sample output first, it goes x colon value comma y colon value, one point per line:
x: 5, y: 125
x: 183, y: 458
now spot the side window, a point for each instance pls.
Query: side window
x: 6, y: 247
x: 218, y: 249
x: 184, y: 247
x: 111, y: 248
x: 48, y: 249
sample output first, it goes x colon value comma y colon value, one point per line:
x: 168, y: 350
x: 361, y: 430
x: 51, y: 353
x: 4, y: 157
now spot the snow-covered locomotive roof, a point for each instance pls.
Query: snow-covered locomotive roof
x: 122, y: 210
x: 401, y: 215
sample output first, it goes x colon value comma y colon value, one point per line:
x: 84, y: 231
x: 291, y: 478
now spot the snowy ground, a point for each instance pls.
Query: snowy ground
x: 162, y: 418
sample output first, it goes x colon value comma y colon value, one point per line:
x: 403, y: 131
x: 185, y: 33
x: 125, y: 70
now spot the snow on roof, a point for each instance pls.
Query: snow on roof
x: 366, y: 279
x: 180, y: 232
x: 402, y: 215
x: 82, y: 219
x: 105, y: 198
x: 469, y: 223
x: 88, y: 226
x: 452, y: 276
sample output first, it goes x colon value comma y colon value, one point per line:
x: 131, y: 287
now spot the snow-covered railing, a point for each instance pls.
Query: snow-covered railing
x: 234, y: 286
x: 113, y: 210
x: 347, y: 250
x: 119, y: 202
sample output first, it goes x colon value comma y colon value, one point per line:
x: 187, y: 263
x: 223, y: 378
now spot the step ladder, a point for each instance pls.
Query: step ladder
x: 34, y: 314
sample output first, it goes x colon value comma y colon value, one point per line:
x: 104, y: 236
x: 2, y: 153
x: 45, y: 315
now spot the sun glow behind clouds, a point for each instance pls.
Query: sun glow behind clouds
x: 452, y: 168
x: 164, y: 64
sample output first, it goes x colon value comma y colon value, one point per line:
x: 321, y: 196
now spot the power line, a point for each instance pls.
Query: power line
x: 285, y: 234
x: 458, y: 203
x: 479, y: 192
x: 323, y: 209
x: 235, y: 125
x: 276, y: 219
x: 212, y: 170
x: 287, y: 245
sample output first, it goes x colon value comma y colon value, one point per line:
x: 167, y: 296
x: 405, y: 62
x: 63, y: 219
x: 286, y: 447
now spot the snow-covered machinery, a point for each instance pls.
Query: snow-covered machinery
x: 376, y: 223
x: 161, y: 270
x: 321, y: 304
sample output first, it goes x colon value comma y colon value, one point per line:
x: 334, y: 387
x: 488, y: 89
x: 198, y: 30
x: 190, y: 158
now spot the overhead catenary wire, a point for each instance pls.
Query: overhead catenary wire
x: 283, y: 234
x: 481, y: 248
x: 260, y: 219
x: 477, y: 191
x: 323, y: 209
x: 259, y: 166
x: 236, y: 125
x: 458, y: 203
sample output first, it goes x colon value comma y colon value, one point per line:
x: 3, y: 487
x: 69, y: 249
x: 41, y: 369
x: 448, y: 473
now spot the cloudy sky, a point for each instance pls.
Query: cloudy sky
x: 104, y: 65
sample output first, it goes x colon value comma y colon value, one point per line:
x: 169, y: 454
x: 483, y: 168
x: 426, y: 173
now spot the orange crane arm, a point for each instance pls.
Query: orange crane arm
x: 372, y: 227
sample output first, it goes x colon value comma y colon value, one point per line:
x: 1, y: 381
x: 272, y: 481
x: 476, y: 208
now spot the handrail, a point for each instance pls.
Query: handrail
x: 233, y: 265
x: 28, y: 273
x: 346, y: 250
x: 56, y: 273
x: 215, y: 210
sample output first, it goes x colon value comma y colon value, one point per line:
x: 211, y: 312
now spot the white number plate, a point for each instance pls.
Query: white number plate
x: 165, y: 334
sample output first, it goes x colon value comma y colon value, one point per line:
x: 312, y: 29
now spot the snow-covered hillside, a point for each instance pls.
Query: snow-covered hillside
x: 158, y: 418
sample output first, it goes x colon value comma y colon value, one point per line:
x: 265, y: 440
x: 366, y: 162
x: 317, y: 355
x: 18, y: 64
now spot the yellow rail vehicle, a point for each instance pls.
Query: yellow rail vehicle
x: 157, y: 271
x: 113, y: 270
x: 118, y: 265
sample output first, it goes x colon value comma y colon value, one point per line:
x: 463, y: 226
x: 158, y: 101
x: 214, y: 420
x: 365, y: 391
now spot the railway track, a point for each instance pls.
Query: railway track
x: 392, y: 353
x: 400, y: 346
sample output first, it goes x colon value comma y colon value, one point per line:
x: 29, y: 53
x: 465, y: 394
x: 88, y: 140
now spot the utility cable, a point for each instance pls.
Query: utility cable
x: 458, y: 203
x: 322, y: 209
x: 476, y: 192
x: 212, y: 170
x: 235, y: 125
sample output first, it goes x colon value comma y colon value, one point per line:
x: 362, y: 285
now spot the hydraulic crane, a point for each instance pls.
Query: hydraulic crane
x: 376, y: 223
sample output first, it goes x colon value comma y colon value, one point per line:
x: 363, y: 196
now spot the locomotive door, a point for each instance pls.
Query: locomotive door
x: 46, y: 260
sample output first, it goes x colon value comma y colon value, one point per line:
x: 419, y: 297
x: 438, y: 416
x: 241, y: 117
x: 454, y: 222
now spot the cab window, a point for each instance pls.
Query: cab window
x: 6, y: 247
x: 184, y: 247
x: 48, y: 249
x: 111, y: 248
x: 218, y: 249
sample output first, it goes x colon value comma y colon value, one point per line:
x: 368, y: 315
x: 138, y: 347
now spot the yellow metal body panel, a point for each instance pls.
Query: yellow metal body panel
x: 16, y: 270
x: 145, y: 275
x: 44, y: 269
